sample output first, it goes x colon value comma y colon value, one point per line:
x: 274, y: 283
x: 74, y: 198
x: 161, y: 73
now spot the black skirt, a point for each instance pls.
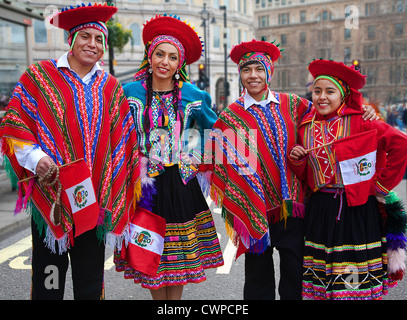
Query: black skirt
x: 345, y: 249
x: 175, y: 201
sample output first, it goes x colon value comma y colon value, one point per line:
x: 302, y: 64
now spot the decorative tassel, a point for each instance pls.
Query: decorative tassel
x: 259, y: 246
x: 10, y: 173
x: 147, y: 186
x: 56, y: 213
x: 39, y: 221
x: 397, y: 276
x: 204, y: 180
x: 23, y: 201
x: 101, y: 216
x: 286, y: 210
x: 396, y: 241
x: 216, y: 195
x: 298, y: 210
x: 146, y: 200
x: 28, y: 192
x: 9, y: 145
x: 19, y: 203
x: 104, y: 224
x: 396, y: 221
x: 395, y: 261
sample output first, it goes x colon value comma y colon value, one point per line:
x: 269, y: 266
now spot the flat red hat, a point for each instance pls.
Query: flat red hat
x: 353, y: 78
x: 254, y: 46
x: 173, y: 26
x: 70, y: 17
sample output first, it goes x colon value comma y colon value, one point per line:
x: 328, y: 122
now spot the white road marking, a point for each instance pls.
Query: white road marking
x: 19, y: 263
x: 15, y: 249
x: 228, y: 257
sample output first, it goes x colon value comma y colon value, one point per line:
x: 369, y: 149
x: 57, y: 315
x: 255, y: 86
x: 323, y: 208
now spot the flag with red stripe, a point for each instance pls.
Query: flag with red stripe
x: 356, y: 155
x: 146, y: 243
x: 79, y: 193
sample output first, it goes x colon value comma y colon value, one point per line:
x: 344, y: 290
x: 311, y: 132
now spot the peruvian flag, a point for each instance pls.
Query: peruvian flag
x: 79, y: 193
x: 356, y: 155
x: 146, y: 243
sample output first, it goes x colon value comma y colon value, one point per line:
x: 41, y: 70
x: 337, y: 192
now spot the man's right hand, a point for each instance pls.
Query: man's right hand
x: 43, y: 166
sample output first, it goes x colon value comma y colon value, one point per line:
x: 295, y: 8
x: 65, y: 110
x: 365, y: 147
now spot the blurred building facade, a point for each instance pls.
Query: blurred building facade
x: 16, y: 52
x: 374, y: 32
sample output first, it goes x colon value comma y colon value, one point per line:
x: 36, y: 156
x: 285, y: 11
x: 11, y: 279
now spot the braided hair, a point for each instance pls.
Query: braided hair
x: 176, y: 101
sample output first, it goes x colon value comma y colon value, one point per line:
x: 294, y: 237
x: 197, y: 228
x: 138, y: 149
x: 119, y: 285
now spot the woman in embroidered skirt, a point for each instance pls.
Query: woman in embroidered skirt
x: 165, y: 105
x: 351, y: 166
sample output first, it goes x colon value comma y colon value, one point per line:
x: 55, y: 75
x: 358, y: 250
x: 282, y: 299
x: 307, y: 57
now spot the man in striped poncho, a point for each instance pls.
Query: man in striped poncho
x: 62, y: 111
x: 262, y: 199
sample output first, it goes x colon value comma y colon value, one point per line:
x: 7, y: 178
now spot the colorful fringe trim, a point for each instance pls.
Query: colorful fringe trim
x: 237, y: 231
x: 10, y: 173
x: 395, y: 226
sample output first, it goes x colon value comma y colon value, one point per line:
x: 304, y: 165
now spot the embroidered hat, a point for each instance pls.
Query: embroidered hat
x: 268, y: 48
x: 168, y: 25
x: 353, y: 78
x: 71, y: 17
x: 74, y: 19
x: 262, y: 52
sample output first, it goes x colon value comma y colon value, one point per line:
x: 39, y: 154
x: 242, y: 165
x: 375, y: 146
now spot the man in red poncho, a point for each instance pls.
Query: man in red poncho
x: 62, y: 111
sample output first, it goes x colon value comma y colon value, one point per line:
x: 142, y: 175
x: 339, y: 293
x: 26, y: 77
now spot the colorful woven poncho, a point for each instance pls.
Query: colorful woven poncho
x: 53, y: 109
x: 251, y: 179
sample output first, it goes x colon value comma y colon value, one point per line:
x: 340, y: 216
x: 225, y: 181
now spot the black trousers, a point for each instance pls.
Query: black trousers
x: 49, y: 269
x: 260, y: 283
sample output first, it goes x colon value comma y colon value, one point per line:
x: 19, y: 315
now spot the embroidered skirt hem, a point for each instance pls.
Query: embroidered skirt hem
x: 345, y: 255
x: 189, y: 249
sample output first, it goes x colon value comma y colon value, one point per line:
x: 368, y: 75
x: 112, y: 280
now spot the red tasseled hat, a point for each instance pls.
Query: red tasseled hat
x: 353, y: 78
x: 254, y: 46
x: 70, y: 17
x: 173, y: 26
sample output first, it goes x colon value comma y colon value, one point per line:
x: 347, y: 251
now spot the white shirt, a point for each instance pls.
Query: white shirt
x: 28, y: 157
x: 63, y: 63
x: 249, y: 100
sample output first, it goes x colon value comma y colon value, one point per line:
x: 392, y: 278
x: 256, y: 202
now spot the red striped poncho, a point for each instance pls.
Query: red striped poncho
x: 53, y: 109
x: 251, y: 179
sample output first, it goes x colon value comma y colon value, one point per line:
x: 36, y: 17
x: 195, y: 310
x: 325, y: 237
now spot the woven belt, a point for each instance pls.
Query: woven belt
x: 336, y: 191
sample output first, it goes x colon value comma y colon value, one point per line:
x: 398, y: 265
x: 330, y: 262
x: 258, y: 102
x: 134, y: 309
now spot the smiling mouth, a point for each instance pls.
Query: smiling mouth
x: 89, y: 53
x: 162, y: 70
x: 323, y: 105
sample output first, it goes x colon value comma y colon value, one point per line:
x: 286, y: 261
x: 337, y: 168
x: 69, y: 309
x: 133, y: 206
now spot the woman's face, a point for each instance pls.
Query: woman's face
x: 326, y: 97
x: 164, y: 61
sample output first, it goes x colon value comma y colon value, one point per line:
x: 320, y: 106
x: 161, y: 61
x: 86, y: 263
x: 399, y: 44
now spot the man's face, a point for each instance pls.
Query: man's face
x: 253, y: 78
x: 88, y: 47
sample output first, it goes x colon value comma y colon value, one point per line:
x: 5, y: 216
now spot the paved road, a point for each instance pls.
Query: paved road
x: 222, y: 283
